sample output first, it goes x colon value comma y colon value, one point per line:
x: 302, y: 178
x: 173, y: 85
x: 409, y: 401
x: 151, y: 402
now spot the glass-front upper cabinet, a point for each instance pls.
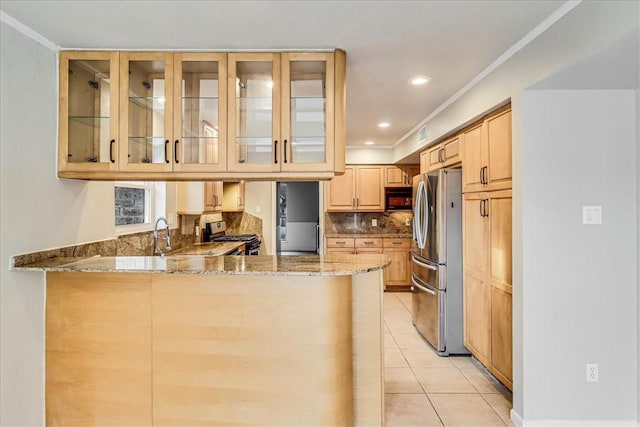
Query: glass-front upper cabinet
x: 307, y: 111
x: 146, y: 90
x: 254, y: 108
x: 88, y: 103
x: 200, y: 112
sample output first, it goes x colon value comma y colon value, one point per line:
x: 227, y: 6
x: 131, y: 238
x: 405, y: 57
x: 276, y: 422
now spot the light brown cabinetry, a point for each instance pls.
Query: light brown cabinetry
x: 196, y: 116
x: 195, y: 198
x: 361, y: 188
x: 283, y: 112
x: 444, y: 155
x: 487, y: 280
x: 398, y: 275
x: 487, y: 154
x: 233, y: 197
x: 400, y: 175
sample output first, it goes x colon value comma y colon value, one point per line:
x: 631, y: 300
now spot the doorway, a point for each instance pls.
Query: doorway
x: 297, y: 218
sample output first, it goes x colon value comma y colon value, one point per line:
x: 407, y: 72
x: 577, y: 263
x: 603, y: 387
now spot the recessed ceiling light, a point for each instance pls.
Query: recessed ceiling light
x: 419, y: 80
x: 369, y: 143
x: 384, y: 124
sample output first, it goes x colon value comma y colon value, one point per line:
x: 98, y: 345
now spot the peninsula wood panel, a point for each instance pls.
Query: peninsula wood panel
x: 271, y: 370
x: 98, y: 349
x: 368, y: 344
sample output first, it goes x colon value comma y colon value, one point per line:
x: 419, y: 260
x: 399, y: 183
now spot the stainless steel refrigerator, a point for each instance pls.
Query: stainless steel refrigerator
x: 436, y: 260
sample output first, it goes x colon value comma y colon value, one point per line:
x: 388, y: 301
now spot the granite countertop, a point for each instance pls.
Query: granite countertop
x: 311, y: 265
x: 371, y: 235
x: 208, y: 248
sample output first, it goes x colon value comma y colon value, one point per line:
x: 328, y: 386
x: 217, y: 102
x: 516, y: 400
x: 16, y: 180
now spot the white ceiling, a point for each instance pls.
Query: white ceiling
x: 386, y: 42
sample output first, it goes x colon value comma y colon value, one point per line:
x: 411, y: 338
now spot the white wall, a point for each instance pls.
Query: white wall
x: 38, y: 211
x: 579, y: 281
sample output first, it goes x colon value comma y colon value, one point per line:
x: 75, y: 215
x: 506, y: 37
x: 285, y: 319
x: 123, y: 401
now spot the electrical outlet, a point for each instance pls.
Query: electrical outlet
x: 374, y: 222
x: 197, y: 231
x: 407, y: 222
x: 171, y: 218
x: 592, y: 372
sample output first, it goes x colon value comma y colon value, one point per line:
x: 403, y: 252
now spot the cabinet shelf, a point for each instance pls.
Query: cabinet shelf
x: 91, y: 121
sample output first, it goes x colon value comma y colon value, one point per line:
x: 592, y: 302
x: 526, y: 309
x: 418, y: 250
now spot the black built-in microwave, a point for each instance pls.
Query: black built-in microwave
x: 398, y: 198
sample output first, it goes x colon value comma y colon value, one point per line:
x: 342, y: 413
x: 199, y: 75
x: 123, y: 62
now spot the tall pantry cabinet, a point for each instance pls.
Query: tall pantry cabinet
x: 487, y: 267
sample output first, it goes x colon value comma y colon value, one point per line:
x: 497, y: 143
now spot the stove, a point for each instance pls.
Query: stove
x: 251, y: 241
x: 215, y: 230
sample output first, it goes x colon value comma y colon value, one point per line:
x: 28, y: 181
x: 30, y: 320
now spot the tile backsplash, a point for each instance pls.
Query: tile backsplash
x: 360, y: 222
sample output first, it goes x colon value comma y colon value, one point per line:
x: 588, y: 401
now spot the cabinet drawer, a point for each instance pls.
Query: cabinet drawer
x: 335, y: 242
x: 368, y: 250
x: 340, y: 250
x: 368, y: 242
x: 389, y: 242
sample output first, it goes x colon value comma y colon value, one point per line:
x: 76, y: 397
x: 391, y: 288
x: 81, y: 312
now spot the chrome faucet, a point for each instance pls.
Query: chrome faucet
x: 156, y: 248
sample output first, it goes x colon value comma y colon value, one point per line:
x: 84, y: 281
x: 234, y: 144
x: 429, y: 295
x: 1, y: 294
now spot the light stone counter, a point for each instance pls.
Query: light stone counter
x: 369, y: 235
x: 311, y: 265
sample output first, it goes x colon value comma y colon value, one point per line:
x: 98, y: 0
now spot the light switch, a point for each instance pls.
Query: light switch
x: 592, y: 214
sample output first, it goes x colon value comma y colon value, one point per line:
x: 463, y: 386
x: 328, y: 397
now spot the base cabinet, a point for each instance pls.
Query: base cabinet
x: 397, y: 276
x: 487, y: 281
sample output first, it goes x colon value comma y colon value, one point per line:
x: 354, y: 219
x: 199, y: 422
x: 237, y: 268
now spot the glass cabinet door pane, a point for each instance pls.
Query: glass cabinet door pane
x: 308, y: 111
x: 254, y: 112
x: 200, y: 118
x: 146, y: 112
x: 89, y: 111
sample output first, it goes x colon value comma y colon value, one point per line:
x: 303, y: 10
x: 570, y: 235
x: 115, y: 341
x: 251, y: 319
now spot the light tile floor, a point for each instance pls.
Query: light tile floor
x: 423, y: 389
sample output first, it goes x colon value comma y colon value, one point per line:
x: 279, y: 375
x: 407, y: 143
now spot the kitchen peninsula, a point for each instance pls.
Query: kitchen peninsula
x: 235, y: 340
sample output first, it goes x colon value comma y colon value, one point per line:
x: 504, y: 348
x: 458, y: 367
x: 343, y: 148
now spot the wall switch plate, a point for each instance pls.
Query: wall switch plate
x: 592, y: 214
x: 197, y: 230
x: 592, y: 372
x: 171, y: 218
x: 374, y: 222
x: 407, y: 222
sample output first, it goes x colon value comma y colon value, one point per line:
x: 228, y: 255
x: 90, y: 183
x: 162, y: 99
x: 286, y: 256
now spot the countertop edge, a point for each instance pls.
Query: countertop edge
x: 332, y: 265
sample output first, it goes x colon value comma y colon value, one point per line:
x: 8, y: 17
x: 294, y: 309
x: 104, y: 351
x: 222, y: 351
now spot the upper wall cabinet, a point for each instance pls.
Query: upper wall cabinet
x: 281, y: 113
x: 445, y: 154
x: 201, y: 116
x: 146, y: 121
x: 88, y: 111
x: 487, y: 154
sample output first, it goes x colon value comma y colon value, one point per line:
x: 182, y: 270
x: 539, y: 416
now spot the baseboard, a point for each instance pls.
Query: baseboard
x: 519, y: 422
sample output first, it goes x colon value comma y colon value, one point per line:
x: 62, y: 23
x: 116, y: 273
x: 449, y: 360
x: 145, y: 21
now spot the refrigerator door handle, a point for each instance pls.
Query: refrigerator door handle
x: 423, y: 264
x: 422, y: 288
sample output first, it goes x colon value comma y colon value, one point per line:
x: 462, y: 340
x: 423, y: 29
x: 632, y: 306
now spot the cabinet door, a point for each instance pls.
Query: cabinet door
x: 451, y: 152
x: 398, y: 273
x: 307, y: 115
x: 395, y: 176
x: 233, y: 197
x: 500, y: 280
x: 498, y: 136
x: 200, y: 112
x: 435, y: 158
x: 340, y: 191
x: 369, y: 188
x: 472, y: 159
x: 424, y: 161
x: 213, y: 192
x: 254, y: 112
x: 501, y: 336
x: 88, y: 111
x: 476, y: 291
x: 146, y: 93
